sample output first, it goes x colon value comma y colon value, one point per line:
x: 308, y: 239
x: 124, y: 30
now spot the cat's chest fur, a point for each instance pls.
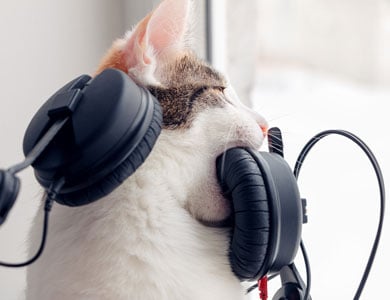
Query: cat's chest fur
x: 137, y: 243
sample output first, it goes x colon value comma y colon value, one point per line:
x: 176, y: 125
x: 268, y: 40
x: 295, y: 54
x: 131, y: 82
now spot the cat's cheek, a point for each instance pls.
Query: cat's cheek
x: 208, y: 204
x: 232, y: 127
x: 250, y: 135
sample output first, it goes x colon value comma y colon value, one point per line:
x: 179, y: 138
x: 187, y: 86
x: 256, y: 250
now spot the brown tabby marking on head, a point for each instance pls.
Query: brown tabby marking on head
x: 188, y: 86
x: 189, y: 69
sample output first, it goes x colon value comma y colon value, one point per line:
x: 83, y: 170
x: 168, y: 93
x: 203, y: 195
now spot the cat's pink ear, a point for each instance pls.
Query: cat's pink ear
x: 161, y: 32
x: 168, y: 24
x: 135, y: 50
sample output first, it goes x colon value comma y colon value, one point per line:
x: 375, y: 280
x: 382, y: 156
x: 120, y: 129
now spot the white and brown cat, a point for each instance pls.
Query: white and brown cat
x: 156, y: 236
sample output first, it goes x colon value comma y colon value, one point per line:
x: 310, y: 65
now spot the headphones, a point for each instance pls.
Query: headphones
x: 94, y: 133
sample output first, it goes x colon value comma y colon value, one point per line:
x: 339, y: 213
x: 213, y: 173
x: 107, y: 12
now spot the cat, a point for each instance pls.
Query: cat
x: 159, y: 234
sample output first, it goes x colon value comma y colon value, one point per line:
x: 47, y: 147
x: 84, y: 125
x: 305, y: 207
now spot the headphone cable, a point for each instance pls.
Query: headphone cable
x: 50, y: 196
x: 308, y: 271
x: 306, y: 149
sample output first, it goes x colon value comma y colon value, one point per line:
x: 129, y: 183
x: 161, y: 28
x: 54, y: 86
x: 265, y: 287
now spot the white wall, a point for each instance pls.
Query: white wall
x: 44, y: 44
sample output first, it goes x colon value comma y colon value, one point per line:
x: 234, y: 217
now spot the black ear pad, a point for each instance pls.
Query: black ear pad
x: 267, y: 211
x: 9, y: 189
x: 112, y: 129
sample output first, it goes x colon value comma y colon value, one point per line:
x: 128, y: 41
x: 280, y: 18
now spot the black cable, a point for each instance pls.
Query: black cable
x: 308, y: 271
x: 41, y: 247
x: 251, y: 288
x: 50, y: 196
x: 379, y: 176
x: 40, y: 146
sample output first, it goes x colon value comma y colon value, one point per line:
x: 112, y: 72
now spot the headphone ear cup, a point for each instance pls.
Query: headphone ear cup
x: 267, y: 211
x: 9, y: 189
x: 242, y: 181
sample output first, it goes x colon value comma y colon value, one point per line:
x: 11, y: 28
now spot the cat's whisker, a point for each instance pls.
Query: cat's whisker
x: 271, y: 120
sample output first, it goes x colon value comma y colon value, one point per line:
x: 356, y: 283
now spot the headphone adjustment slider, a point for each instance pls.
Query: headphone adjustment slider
x: 64, y: 104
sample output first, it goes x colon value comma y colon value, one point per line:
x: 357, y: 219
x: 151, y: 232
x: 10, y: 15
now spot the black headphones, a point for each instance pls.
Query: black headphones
x: 92, y: 145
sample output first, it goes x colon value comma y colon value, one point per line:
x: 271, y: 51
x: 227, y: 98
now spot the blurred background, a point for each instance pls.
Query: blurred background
x: 305, y: 65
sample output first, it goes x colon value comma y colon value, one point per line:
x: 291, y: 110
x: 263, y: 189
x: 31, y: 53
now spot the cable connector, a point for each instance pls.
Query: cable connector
x: 49, y: 202
x: 263, y: 287
x: 52, y: 192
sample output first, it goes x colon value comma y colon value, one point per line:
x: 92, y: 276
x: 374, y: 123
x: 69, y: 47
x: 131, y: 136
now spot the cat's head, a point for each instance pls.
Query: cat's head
x: 202, y: 116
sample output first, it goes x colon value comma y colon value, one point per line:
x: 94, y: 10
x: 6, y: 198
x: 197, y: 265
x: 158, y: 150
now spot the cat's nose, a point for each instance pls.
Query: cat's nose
x: 259, y: 119
x: 264, y: 129
x: 262, y: 123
